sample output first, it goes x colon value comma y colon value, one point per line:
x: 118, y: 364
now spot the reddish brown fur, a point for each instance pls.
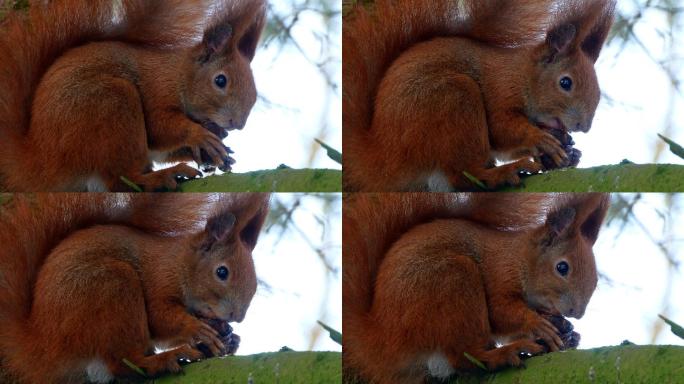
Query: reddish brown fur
x: 108, y: 276
x: 427, y: 273
x: 431, y: 89
x: 94, y: 93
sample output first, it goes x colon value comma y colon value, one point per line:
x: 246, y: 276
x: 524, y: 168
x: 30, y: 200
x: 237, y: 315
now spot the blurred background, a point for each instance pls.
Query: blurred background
x: 298, y: 263
x: 640, y: 257
x: 641, y: 250
x: 298, y: 73
x: 640, y: 72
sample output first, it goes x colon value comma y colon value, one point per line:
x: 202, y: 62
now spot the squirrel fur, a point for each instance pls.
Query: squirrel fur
x: 96, y: 91
x: 434, y: 89
x: 88, y: 280
x: 429, y: 277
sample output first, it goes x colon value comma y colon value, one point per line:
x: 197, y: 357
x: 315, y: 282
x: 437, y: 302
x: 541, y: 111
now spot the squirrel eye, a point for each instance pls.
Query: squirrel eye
x: 221, y: 81
x: 563, y: 268
x: 222, y: 272
x: 566, y: 83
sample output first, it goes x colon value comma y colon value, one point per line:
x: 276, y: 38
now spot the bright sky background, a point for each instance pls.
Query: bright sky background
x: 301, y: 290
x: 627, y: 307
x: 302, y: 104
x: 641, y: 93
x: 302, y: 108
x: 644, y: 103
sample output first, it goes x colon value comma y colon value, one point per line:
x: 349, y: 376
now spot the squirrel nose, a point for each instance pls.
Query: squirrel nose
x: 235, y: 124
x: 583, y: 127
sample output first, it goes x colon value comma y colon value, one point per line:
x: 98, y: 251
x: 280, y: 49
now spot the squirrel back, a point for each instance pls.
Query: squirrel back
x: 57, y: 26
x: 50, y: 31
x: 374, y: 224
x: 393, y: 214
x: 32, y: 227
x: 373, y: 40
x: 52, y: 217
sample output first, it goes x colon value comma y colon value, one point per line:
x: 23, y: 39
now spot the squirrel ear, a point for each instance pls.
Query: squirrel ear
x: 602, y: 14
x: 558, y: 223
x: 593, y: 43
x: 559, y: 40
x: 592, y: 224
x: 215, y: 40
x: 218, y: 229
x: 250, y: 233
x: 248, y: 42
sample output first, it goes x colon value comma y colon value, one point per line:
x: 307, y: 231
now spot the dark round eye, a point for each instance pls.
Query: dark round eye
x: 220, y: 81
x: 563, y: 268
x: 566, y: 83
x: 222, y: 272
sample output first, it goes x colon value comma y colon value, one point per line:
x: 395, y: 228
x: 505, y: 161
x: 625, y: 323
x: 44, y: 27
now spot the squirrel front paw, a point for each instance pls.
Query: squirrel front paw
x: 230, y: 341
x: 207, y: 164
x: 566, y: 331
x: 540, y: 328
x: 207, y: 148
x: 574, y: 154
x: 203, y: 336
x: 551, y: 148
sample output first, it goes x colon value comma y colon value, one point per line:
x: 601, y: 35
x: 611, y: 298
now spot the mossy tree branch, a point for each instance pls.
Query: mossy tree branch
x: 276, y: 368
x: 278, y: 180
x: 645, y: 364
x: 608, y: 178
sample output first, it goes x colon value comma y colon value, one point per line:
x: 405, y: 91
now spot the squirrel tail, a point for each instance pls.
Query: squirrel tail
x: 373, y: 222
x: 32, y: 224
x: 30, y: 42
x: 373, y: 37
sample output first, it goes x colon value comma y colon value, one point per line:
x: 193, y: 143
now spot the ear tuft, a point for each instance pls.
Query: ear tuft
x: 248, y: 43
x: 592, y: 224
x: 216, y: 40
x: 559, y: 40
x: 218, y: 229
x: 558, y: 224
x: 593, y: 43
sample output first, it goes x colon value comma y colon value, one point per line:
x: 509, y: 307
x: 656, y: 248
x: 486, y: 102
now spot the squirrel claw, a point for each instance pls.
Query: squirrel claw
x: 227, y: 165
x: 207, y: 148
x: 547, y: 332
x: 204, y: 337
x: 552, y: 147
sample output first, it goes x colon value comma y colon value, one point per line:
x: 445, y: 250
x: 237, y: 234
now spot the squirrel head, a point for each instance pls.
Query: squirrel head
x: 221, y: 280
x: 218, y: 90
x: 562, y: 276
x: 563, y: 91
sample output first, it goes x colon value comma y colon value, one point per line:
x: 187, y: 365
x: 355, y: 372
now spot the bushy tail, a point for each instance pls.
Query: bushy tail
x: 373, y: 222
x: 30, y: 42
x: 32, y: 224
x: 373, y: 38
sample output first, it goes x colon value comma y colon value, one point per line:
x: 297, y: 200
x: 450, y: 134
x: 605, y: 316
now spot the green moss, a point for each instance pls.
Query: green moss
x: 609, y: 178
x: 278, y: 180
x: 626, y: 364
x: 276, y: 367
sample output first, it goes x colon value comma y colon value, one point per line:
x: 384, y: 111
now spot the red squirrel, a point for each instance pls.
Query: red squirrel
x: 436, y: 91
x: 430, y: 277
x: 96, y: 91
x: 89, y: 282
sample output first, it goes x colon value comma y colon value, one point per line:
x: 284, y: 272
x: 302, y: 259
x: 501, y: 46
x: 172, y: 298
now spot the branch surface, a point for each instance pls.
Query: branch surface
x: 275, y: 180
x: 608, y: 178
x: 644, y: 364
x: 274, y: 367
